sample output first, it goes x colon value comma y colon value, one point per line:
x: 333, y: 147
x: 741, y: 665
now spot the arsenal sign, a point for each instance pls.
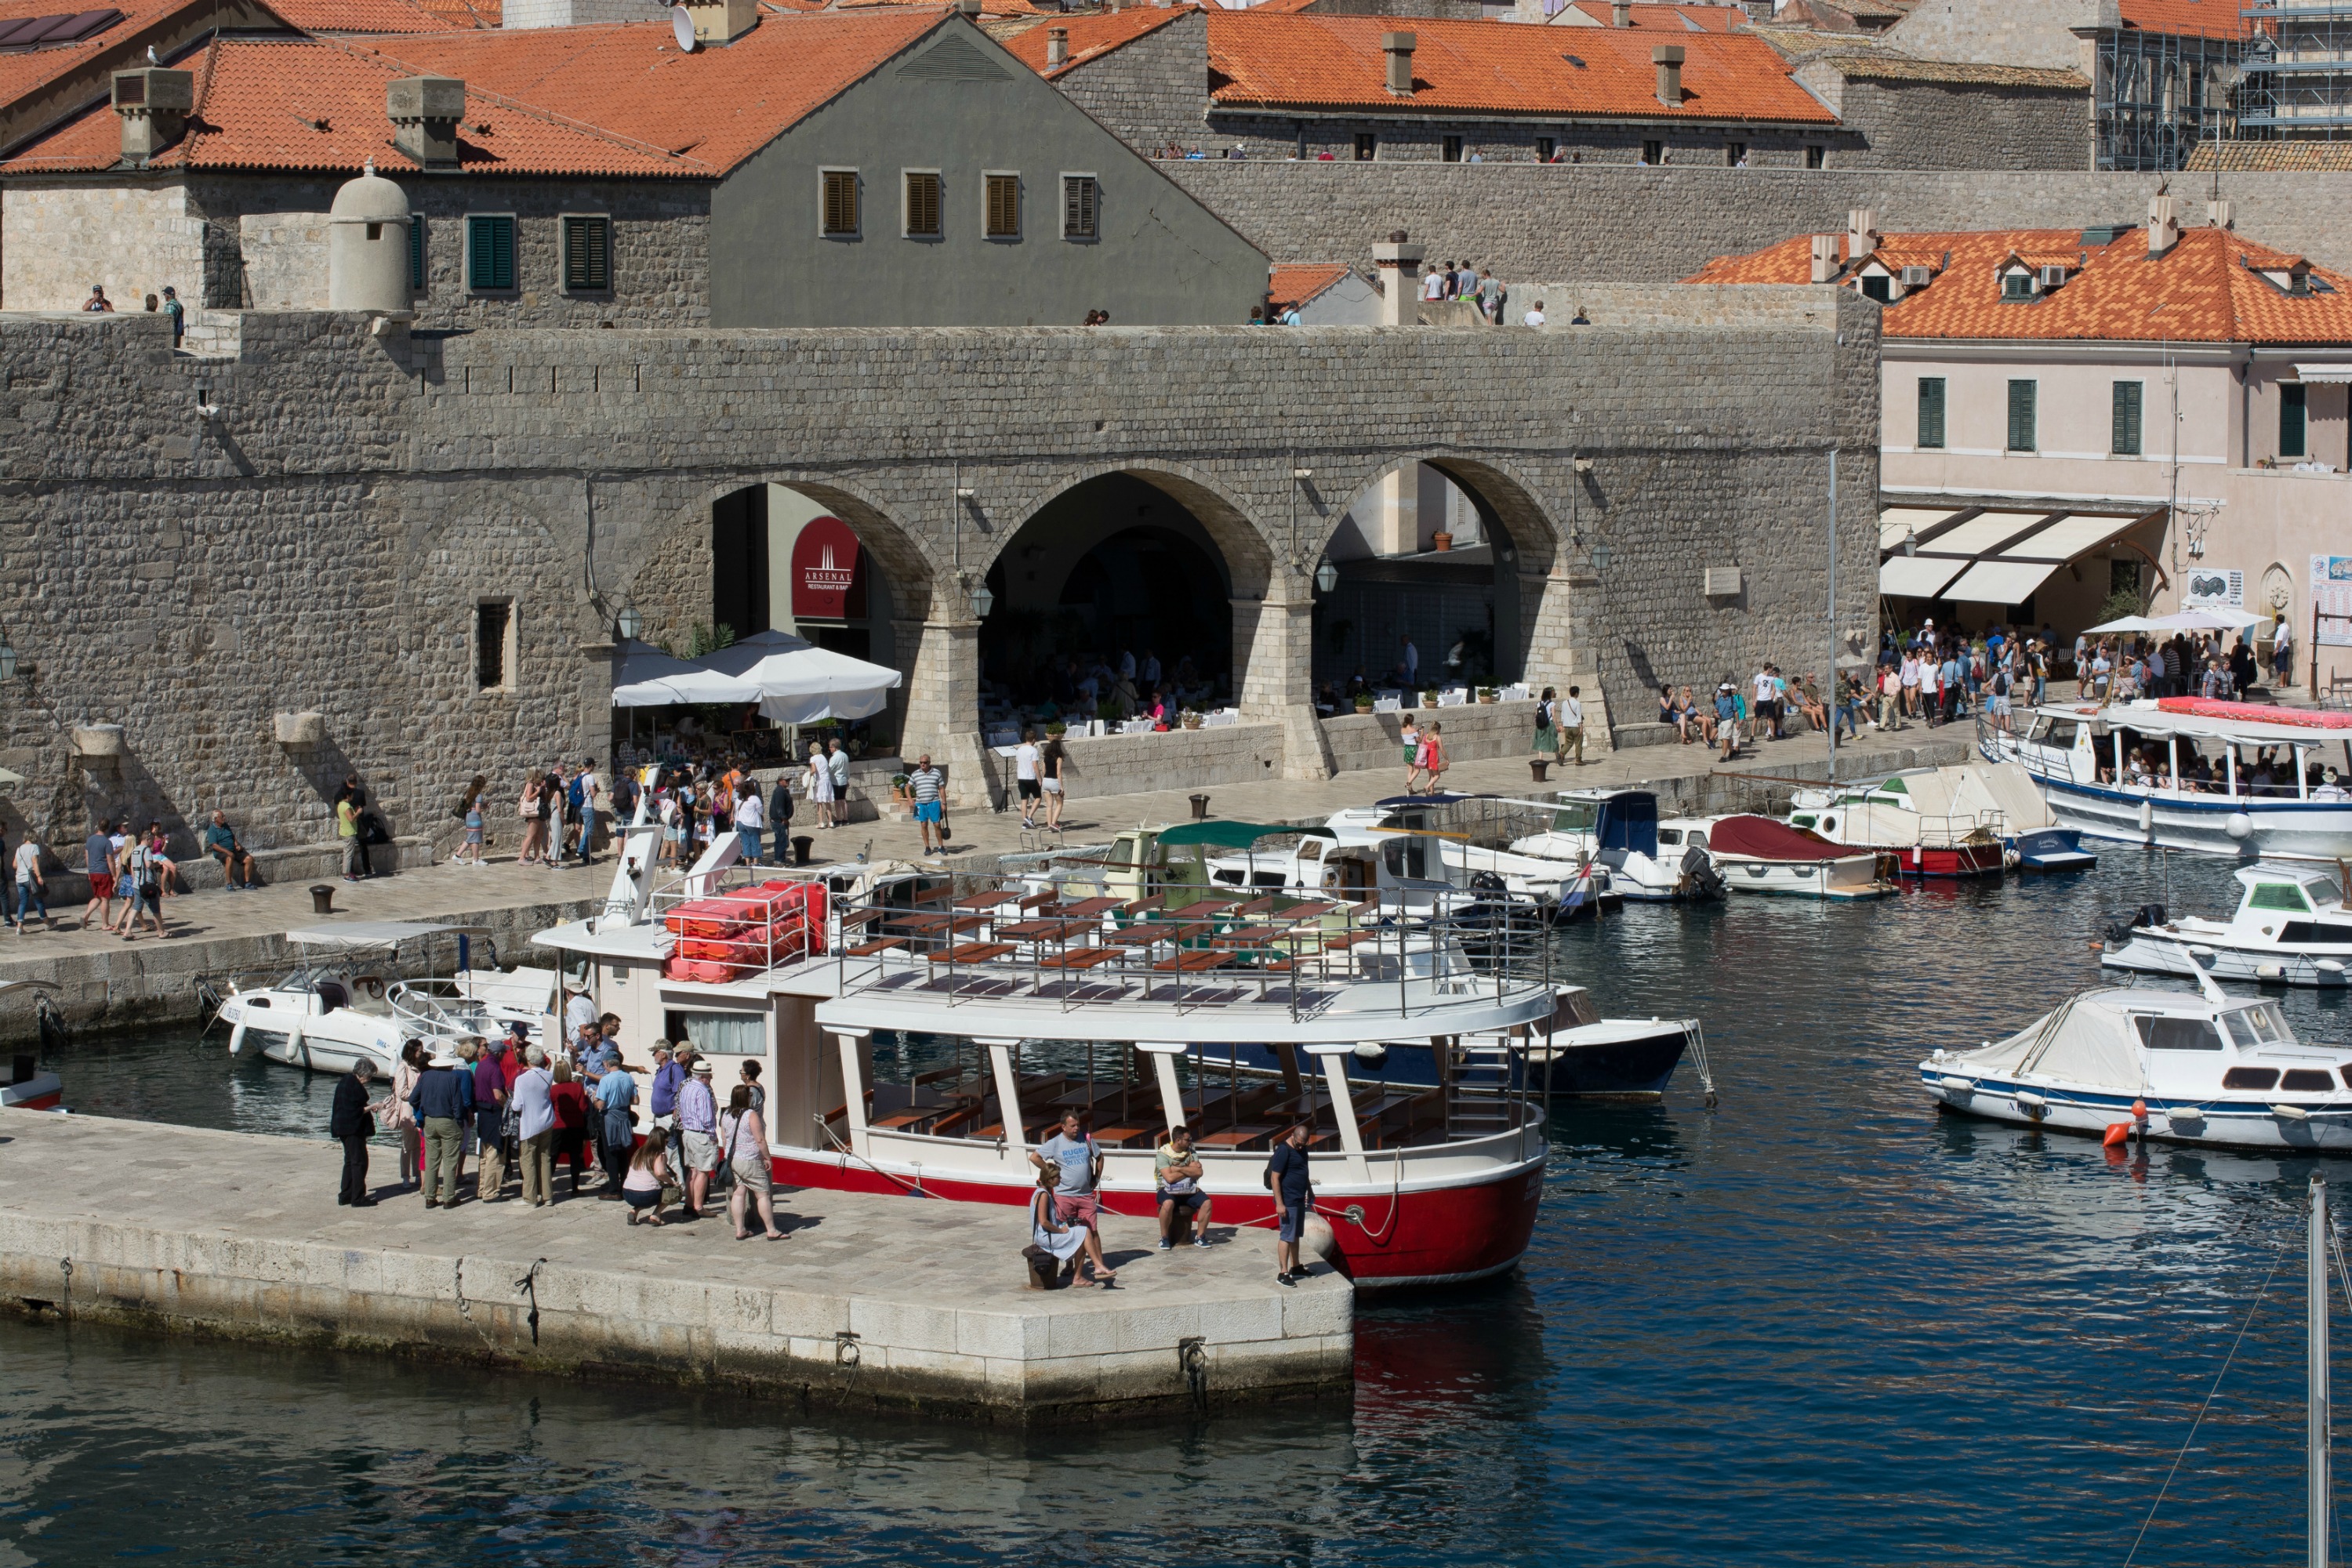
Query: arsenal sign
x: 828, y: 572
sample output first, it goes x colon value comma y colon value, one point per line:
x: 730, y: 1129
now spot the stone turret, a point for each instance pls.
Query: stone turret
x: 367, y: 247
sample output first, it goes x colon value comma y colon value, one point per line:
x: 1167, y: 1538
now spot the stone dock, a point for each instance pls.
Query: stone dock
x: 871, y: 1303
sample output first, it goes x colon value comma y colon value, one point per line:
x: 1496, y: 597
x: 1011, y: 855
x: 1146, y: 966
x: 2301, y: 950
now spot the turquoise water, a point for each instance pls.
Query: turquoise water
x: 1818, y: 1324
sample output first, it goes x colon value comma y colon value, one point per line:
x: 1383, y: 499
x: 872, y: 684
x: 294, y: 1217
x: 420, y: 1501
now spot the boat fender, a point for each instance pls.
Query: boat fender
x: 1318, y: 1238
x: 2239, y: 826
x: 2329, y: 965
x: 1952, y: 1084
x: 2117, y: 1135
x: 2139, y: 1112
x: 2290, y: 1112
x: 2270, y: 972
x: 2147, y: 817
x: 1371, y: 1053
x: 2033, y: 1104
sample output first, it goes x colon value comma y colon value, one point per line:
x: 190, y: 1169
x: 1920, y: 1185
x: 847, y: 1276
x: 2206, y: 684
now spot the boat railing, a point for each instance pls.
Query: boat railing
x: 973, y: 938
x: 435, y: 1008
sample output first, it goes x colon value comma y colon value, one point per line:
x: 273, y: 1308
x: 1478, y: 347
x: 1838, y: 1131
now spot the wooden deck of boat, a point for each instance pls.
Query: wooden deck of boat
x: 870, y: 1302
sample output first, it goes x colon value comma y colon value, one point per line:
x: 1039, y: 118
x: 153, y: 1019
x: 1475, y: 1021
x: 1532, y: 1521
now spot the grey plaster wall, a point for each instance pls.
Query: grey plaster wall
x: 1619, y: 225
x: 324, y: 543
x: 1160, y: 259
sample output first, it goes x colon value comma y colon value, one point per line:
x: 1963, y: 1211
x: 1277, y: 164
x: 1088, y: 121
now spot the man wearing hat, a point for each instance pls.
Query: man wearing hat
x: 443, y: 1101
x: 698, y: 1121
x: 579, y: 1012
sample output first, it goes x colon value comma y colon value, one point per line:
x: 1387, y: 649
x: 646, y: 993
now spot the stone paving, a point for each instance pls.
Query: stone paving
x: 880, y: 1298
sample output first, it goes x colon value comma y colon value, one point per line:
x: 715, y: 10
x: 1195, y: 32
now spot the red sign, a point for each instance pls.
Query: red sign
x: 828, y: 572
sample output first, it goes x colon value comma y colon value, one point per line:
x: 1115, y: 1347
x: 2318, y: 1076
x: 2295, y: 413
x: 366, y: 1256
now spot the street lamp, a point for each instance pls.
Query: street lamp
x: 628, y: 622
x: 1326, y: 577
x: 982, y: 601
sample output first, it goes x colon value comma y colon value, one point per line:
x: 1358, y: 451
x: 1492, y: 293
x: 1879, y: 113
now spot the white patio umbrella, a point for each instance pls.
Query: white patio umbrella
x: 793, y: 682
x: 2205, y: 618
x: 2129, y: 623
x: 644, y: 677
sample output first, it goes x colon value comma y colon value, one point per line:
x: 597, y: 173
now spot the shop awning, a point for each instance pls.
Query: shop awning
x: 2340, y: 372
x: 1985, y: 555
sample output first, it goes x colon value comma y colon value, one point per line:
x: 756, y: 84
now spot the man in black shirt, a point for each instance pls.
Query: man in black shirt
x: 352, y: 1124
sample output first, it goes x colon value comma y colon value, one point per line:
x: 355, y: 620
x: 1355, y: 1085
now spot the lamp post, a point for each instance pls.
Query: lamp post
x: 982, y: 601
x: 1326, y: 577
x: 8, y: 661
x: 628, y: 622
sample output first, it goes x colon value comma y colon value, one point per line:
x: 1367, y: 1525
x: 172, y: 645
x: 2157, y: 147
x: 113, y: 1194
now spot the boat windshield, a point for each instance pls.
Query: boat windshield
x: 1577, y: 817
x: 2159, y: 1033
x: 2260, y: 1026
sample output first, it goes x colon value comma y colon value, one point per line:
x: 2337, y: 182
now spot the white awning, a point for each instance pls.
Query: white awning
x: 2001, y: 582
x: 2324, y: 372
x: 1986, y: 556
x: 1916, y: 576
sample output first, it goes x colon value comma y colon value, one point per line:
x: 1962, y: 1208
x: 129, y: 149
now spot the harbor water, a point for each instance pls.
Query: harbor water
x: 1818, y: 1324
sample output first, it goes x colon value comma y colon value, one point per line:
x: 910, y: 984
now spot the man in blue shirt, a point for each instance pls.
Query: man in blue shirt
x: 1077, y: 1157
x: 1286, y: 1175
x: 698, y: 1126
x: 443, y: 1101
x: 616, y: 1098
x: 670, y: 1076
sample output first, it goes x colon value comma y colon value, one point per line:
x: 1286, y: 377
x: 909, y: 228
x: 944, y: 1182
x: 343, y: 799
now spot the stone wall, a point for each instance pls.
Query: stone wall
x: 1576, y: 222
x: 1904, y: 124
x: 325, y: 544
x: 57, y: 240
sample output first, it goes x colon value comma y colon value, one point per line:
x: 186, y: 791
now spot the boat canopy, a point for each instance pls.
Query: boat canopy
x: 1629, y: 821
x: 2196, y: 716
x: 1232, y: 835
x: 1761, y: 838
x: 2087, y: 1041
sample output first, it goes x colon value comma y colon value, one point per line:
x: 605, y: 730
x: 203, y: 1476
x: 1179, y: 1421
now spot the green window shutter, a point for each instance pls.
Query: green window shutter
x: 2021, y: 416
x: 489, y: 253
x: 587, y: 254
x: 2292, y: 409
x: 2128, y: 419
x: 416, y: 254
x: 1931, y: 411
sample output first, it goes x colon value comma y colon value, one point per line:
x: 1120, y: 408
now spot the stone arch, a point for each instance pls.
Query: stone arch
x: 1248, y: 551
x: 1519, y: 547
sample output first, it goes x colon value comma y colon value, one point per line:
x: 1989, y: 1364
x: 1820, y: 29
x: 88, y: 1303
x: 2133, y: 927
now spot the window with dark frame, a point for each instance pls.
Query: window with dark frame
x: 1081, y: 202
x: 1449, y: 149
x: 1734, y: 153
x: 1931, y: 412
x: 416, y: 275
x: 2293, y: 427
x: 1004, y: 215
x: 1654, y: 152
x: 923, y: 206
x: 1366, y: 145
x: 839, y: 218
x: 587, y: 255
x: 2017, y: 288
x: 489, y: 253
x: 493, y: 645
x: 1878, y: 286
x: 1546, y: 148
x: 1814, y: 156
x: 2022, y: 396
x: 2126, y: 441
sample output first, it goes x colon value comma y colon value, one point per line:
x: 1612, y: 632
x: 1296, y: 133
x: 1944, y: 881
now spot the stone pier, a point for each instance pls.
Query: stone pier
x: 870, y: 1303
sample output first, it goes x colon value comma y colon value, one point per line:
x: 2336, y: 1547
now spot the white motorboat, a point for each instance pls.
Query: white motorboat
x: 1619, y: 829
x: 344, y: 1001
x: 921, y: 1037
x: 1758, y: 855
x: 2202, y: 1067
x: 1470, y: 836
x: 2128, y: 772
x: 2291, y: 928
x: 1964, y: 820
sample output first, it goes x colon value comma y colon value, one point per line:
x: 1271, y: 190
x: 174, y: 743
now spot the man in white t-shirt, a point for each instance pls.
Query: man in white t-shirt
x: 1024, y: 777
x: 1534, y: 318
x: 751, y: 819
x: 32, y: 888
x: 1763, y: 705
x: 1570, y: 720
x: 1432, y: 288
x: 1931, y: 681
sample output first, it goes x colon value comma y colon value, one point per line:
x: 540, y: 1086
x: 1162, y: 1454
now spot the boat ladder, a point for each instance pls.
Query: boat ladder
x: 1479, y: 1091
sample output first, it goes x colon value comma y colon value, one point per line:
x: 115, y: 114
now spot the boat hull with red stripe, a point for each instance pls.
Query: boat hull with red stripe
x: 1426, y: 1235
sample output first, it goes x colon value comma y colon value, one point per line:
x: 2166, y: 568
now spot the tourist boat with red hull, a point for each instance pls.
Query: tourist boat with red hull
x: 920, y: 1033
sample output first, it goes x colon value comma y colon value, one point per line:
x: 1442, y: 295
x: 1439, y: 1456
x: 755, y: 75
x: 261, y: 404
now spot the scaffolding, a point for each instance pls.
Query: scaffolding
x: 2159, y: 94
x: 2298, y: 70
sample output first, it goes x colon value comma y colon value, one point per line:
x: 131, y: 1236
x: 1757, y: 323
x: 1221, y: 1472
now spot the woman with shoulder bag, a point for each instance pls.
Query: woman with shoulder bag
x: 743, y: 1144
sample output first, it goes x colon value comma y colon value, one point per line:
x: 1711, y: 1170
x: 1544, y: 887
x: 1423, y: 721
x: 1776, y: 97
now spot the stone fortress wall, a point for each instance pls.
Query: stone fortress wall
x: 323, y: 541
x: 1583, y: 222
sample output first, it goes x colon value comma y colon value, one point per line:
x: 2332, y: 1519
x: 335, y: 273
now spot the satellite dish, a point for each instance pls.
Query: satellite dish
x: 681, y: 27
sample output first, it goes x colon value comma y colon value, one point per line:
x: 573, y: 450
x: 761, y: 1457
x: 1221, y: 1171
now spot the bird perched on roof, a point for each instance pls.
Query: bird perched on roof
x: 152, y: 57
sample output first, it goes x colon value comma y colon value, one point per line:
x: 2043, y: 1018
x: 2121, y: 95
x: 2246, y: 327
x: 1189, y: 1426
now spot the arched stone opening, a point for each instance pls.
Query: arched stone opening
x: 1447, y: 556
x: 1149, y: 566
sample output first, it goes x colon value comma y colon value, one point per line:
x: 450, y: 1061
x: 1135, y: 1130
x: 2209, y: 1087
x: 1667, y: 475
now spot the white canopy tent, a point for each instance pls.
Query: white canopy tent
x: 793, y: 682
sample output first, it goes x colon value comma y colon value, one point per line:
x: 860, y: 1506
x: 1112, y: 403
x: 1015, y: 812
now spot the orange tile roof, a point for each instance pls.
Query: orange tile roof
x: 2206, y: 288
x: 23, y: 73
x: 466, y: 13
x: 375, y: 16
x: 617, y: 100
x: 2234, y: 156
x: 1668, y: 18
x: 1495, y: 68
x: 2192, y: 19
x: 1300, y: 281
x: 1092, y: 37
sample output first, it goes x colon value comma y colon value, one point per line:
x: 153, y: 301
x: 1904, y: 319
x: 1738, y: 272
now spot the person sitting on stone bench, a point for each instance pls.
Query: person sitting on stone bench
x: 1176, y: 1171
x: 237, y: 861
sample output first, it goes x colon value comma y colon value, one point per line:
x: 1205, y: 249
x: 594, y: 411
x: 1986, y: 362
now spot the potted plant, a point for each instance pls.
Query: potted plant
x: 1440, y: 542
x: 1363, y: 702
x: 1429, y: 699
x: 1189, y: 720
x: 1055, y: 728
x: 1486, y: 695
x: 901, y: 787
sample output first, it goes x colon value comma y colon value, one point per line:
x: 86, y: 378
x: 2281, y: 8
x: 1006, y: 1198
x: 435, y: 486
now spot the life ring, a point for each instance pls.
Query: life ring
x: 373, y: 986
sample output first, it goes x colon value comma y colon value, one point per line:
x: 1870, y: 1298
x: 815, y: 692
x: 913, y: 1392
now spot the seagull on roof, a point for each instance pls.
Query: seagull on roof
x: 152, y: 57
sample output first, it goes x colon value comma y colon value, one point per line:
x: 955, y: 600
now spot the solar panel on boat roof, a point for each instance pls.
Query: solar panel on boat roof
x: 60, y: 27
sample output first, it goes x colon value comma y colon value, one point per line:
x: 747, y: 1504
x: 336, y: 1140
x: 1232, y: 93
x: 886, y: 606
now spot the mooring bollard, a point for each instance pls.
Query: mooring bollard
x: 322, y: 898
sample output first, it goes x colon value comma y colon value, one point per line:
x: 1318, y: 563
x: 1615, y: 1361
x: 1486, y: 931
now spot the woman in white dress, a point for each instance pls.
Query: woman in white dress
x: 819, y: 790
x: 1063, y: 1241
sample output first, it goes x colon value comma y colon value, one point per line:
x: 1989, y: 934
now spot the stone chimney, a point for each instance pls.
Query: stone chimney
x: 1861, y: 235
x: 1398, y: 48
x: 1399, y: 265
x: 1620, y: 14
x: 1825, y: 258
x: 1668, y: 59
x: 153, y: 105
x: 2163, y: 225
x: 425, y: 112
x: 1058, y: 48
x: 2216, y: 212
